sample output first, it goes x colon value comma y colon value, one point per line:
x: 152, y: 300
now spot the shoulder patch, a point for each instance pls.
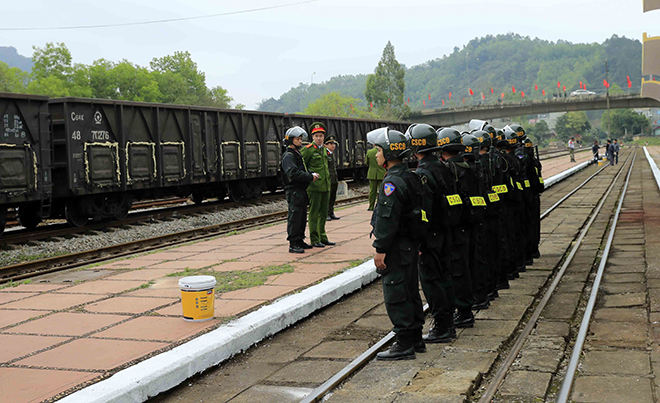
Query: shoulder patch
x: 309, y: 145
x: 424, y: 179
x: 388, y: 188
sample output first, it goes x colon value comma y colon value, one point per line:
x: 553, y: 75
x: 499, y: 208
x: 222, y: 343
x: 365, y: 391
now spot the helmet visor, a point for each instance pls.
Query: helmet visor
x: 477, y: 124
x: 296, y: 131
x: 378, y: 136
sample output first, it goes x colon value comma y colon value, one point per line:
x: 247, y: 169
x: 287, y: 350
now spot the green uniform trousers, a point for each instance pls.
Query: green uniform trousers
x: 318, y: 214
x: 374, y: 185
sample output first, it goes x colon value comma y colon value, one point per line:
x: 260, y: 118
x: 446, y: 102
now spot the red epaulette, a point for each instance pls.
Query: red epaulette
x: 309, y: 145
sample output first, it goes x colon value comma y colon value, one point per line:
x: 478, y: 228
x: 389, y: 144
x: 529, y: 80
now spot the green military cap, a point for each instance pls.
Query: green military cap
x: 331, y: 139
x: 317, y: 127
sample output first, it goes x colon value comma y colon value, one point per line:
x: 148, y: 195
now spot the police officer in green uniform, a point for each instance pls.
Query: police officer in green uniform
x: 395, y: 221
x: 434, y: 265
x: 331, y: 145
x: 375, y: 175
x: 315, y: 156
x: 296, y: 180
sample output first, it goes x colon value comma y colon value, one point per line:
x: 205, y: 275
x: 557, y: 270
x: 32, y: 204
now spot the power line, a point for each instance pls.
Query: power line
x: 128, y: 24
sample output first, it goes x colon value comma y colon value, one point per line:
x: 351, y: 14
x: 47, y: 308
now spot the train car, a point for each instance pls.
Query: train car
x: 101, y: 155
x: 25, y: 152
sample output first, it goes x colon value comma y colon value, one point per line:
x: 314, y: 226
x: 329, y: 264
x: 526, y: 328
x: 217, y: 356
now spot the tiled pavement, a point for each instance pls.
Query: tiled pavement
x: 60, y: 335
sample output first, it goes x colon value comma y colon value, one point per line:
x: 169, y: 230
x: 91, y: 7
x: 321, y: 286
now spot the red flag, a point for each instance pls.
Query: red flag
x: 371, y: 104
x: 424, y: 102
x: 584, y: 86
x: 483, y: 96
x: 558, y: 84
x: 491, y: 90
x: 564, y: 88
x: 471, y: 92
x: 522, y: 94
x: 513, y: 89
x: 388, y: 100
x: 605, y: 83
x: 629, y: 82
x: 463, y: 100
x: 580, y: 84
x: 408, y: 99
x: 443, y: 102
x: 450, y: 95
x: 543, y: 91
x: 429, y: 96
x: 502, y: 95
x: 536, y: 87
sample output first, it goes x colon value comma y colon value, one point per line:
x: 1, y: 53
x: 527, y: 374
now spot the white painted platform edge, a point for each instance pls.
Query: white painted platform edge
x: 553, y: 180
x: 167, y: 370
x: 654, y: 166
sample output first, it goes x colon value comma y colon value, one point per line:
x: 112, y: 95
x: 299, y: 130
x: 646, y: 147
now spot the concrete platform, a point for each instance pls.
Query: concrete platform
x: 65, y: 331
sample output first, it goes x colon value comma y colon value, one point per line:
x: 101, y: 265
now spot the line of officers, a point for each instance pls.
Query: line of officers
x: 464, y: 224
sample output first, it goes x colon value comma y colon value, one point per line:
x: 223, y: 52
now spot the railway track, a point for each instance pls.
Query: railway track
x: 348, y: 371
x: 30, y: 269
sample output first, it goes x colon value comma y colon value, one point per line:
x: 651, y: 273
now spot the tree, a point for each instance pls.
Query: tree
x: 385, y: 88
x: 625, y: 121
x: 180, y: 80
x: 12, y: 79
x: 540, y: 132
x: 335, y: 104
x: 572, y: 124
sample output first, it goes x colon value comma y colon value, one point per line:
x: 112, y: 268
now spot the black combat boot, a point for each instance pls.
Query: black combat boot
x: 463, y: 319
x: 502, y: 286
x: 420, y: 346
x: 481, y: 305
x: 304, y: 245
x: 494, y: 294
x: 397, y: 352
x: 333, y: 216
x: 295, y: 248
x: 439, y: 334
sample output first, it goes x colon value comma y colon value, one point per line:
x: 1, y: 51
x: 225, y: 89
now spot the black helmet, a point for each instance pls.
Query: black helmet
x: 477, y: 124
x: 520, y: 131
x: 295, y: 131
x: 511, y: 138
x: 449, y: 139
x: 499, y: 139
x: 394, y: 143
x: 490, y: 130
x: 484, y: 138
x: 472, y: 145
x: 422, y: 138
x: 527, y: 143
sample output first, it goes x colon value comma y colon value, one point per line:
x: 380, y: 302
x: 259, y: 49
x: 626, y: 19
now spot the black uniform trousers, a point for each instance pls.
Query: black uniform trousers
x: 297, y: 218
x: 401, y: 291
x: 436, y: 279
x: 333, y: 198
x: 459, y: 250
x: 478, y: 263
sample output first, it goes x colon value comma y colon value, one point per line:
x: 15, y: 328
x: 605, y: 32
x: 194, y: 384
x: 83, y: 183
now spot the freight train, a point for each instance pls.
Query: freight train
x: 90, y: 159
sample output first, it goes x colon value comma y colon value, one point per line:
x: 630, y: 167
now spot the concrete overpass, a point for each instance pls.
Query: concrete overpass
x: 454, y: 116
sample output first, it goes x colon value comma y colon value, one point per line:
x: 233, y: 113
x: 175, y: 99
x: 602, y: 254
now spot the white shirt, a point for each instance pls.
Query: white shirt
x: 571, y: 144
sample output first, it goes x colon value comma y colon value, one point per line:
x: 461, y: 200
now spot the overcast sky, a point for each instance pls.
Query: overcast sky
x: 262, y: 54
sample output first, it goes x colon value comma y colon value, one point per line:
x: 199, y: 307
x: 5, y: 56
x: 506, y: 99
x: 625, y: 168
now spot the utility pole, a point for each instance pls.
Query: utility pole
x: 607, y: 97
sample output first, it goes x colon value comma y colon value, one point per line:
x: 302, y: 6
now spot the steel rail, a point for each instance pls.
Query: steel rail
x: 58, y: 263
x: 554, y: 206
x: 567, y: 383
x: 495, y: 383
x: 317, y: 394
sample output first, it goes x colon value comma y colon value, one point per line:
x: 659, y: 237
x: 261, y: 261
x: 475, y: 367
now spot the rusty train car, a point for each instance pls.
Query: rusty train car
x: 89, y: 159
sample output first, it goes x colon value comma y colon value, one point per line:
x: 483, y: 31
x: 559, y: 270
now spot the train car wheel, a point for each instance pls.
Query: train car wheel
x: 73, y: 215
x: 3, y: 219
x: 28, y: 217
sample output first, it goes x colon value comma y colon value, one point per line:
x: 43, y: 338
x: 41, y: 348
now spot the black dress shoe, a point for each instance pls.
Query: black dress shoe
x: 512, y: 276
x: 502, y: 286
x: 305, y: 245
x: 463, y: 319
x: 437, y: 335
x: 521, y: 269
x: 493, y: 295
x: 420, y: 346
x: 397, y: 352
x: 478, y: 306
x: 529, y: 262
x: 319, y: 245
x: 329, y: 243
x: 536, y: 255
x: 296, y: 249
x: 333, y: 216
x: 328, y: 218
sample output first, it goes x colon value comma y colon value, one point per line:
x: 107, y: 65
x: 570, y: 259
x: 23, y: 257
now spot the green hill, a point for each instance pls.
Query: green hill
x: 9, y: 55
x: 499, y: 62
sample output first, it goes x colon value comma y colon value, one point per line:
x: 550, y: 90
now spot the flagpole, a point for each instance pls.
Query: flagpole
x: 607, y: 97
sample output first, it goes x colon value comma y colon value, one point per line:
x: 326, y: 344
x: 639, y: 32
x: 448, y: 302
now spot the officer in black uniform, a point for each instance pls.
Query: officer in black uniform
x: 515, y: 205
x: 458, y: 247
x: 296, y: 179
x: 434, y: 265
x: 535, y: 177
x: 396, y: 220
x: 476, y: 185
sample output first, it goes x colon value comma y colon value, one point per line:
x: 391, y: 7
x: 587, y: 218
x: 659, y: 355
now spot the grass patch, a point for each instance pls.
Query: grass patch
x: 237, y: 280
x: 653, y: 141
x: 24, y: 257
x: 12, y: 284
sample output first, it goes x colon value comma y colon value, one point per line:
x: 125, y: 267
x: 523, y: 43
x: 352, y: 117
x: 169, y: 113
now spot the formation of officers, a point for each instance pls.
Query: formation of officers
x: 464, y: 224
